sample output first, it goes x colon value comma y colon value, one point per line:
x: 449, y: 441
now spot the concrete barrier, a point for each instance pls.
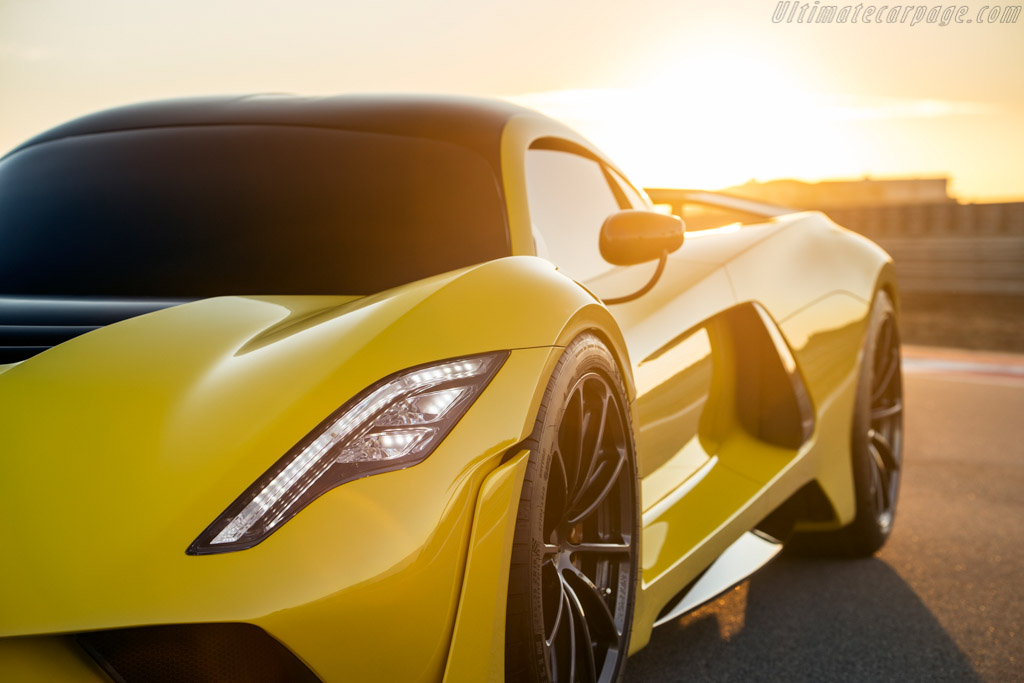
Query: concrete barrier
x: 960, y: 268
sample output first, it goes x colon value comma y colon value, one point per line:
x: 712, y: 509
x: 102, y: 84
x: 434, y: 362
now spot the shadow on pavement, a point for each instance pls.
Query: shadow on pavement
x: 807, y: 620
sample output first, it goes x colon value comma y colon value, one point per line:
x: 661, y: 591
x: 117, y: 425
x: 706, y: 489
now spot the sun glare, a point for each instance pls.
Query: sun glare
x: 725, y: 116
x: 714, y: 119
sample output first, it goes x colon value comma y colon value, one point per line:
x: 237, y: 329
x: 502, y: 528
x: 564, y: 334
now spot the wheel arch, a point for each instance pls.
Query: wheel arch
x: 523, y: 303
x: 886, y: 282
x: 826, y: 501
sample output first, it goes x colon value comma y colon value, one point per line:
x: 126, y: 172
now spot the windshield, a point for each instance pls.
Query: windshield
x: 208, y: 210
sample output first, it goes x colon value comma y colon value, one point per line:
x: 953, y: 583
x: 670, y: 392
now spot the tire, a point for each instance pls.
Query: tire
x: 572, y: 581
x: 876, y: 446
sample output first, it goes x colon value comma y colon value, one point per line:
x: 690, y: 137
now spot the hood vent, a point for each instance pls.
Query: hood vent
x: 33, y: 324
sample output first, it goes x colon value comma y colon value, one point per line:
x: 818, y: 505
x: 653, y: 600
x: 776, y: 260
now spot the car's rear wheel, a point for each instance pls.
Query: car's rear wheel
x: 574, y: 560
x: 876, y: 446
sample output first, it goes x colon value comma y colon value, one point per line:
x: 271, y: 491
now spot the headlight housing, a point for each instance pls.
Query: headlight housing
x: 391, y: 425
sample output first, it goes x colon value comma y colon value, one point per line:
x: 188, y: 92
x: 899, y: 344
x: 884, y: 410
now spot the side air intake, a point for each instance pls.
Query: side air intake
x: 212, y: 653
x: 32, y: 324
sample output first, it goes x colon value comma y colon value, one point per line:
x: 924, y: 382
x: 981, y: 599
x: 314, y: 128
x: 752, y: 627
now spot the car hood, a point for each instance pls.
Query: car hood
x: 133, y: 437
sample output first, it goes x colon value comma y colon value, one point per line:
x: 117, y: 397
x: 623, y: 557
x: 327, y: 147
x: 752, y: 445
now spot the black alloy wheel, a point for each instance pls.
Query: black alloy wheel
x: 574, y: 565
x: 885, y: 429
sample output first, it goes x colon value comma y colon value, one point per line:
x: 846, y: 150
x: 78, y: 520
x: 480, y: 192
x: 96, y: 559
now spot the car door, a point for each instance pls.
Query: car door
x: 686, y: 493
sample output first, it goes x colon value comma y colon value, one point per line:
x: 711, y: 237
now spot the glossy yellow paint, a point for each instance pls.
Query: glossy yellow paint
x: 480, y: 624
x: 823, y: 280
x: 827, y: 337
x: 712, y: 272
x: 45, y: 659
x: 814, y: 280
x: 168, y: 433
x: 169, y: 416
x: 670, y: 412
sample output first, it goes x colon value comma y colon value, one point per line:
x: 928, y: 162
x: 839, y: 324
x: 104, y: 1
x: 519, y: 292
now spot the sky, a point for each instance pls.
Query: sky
x: 679, y: 92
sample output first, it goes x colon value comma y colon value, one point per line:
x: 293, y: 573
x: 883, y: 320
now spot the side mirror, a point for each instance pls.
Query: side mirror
x: 631, y: 236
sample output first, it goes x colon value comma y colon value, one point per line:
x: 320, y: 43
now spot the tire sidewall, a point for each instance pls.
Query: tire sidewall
x: 585, y: 355
x: 866, y: 521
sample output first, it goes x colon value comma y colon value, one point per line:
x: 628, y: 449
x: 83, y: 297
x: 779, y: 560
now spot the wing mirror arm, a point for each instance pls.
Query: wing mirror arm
x: 630, y: 237
x: 643, y: 290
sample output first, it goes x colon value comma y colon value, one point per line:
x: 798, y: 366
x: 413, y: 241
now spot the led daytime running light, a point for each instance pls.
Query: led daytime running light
x: 393, y: 424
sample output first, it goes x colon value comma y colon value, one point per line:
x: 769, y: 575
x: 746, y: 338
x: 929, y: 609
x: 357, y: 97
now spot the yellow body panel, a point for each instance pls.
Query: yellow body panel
x: 815, y: 281
x: 162, y: 420
x: 45, y: 659
x: 480, y: 624
x: 183, y: 428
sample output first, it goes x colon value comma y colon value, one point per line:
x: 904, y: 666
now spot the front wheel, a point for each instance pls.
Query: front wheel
x: 574, y: 559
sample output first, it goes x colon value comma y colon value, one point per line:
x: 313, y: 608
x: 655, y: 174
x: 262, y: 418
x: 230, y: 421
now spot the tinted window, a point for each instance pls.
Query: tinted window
x: 630, y: 195
x: 569, y: 199
x: 207, y: 210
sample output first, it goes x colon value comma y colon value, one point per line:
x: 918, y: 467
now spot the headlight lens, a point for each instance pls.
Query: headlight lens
x: 393, y: 424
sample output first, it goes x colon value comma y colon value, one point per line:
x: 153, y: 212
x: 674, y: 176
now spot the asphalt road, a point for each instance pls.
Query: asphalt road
x: 942, y: 601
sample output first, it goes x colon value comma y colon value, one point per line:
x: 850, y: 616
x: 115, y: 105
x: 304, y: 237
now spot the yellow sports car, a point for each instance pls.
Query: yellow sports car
x: 374, y: 388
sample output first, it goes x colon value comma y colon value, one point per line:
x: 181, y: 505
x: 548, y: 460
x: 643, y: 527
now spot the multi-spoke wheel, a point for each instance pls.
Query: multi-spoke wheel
x: 574, y: 561
x: 885, y: 424
x: 876, y: 446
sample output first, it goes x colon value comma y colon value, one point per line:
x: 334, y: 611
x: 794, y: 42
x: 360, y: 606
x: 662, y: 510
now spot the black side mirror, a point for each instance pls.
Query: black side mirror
x: 631, y: 236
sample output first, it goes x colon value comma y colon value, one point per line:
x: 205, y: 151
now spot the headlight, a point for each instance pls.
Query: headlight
x: 393, y: 424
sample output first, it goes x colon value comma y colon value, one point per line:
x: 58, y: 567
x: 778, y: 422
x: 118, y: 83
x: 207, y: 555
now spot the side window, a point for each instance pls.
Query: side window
x: 569, y: 198
x: 633, y: 198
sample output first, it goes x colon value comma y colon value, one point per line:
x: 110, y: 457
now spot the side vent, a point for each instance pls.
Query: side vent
x: 772, y: 401
x: 214, y: 653
x: 32, y: 324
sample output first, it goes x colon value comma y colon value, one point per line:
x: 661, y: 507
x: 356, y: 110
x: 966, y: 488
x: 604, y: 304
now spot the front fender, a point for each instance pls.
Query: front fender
x: 160, y: 421
x: 477, y: 651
